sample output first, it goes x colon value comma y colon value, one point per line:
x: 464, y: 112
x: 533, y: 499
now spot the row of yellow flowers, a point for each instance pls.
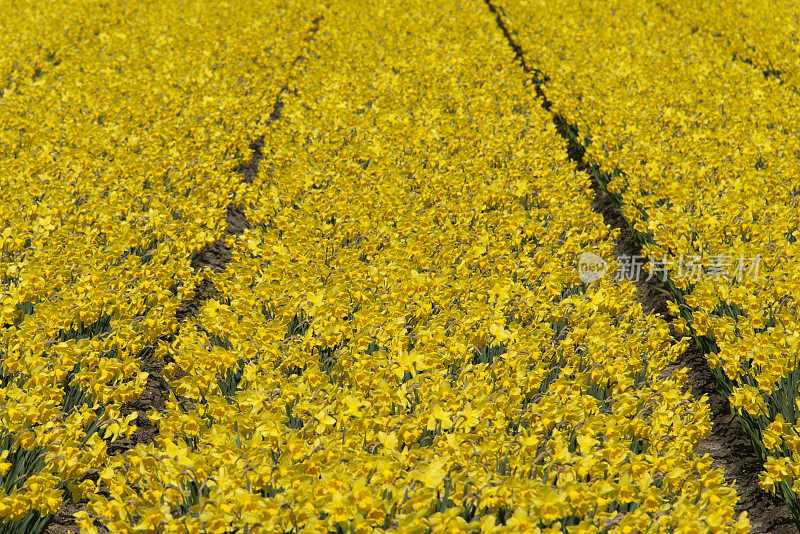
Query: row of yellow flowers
x: 701, y: 151
x: 36, y: 38
x: 117, y: 162
x: 404, y: 343
x: 760, y: 32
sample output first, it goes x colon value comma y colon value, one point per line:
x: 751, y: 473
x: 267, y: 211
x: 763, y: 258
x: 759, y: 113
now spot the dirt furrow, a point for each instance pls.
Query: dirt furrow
x: 214, y: 256
x: 727, y: 444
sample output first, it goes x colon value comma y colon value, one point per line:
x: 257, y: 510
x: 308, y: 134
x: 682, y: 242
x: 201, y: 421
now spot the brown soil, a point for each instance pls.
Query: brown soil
x: 214, y: 256
x: 728, y: 444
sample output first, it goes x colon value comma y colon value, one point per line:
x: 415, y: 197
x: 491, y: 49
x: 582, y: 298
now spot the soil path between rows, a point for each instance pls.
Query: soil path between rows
x: 728, y: 445
x: 215, y: 256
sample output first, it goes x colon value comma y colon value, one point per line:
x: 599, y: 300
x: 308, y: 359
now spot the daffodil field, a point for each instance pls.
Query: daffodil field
x: 702, y: 160
x: 286, y: 266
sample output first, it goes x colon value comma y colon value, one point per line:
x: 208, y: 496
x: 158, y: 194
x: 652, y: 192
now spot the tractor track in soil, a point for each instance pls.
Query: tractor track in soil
x: 214, y: 256
x: 728, y: 445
